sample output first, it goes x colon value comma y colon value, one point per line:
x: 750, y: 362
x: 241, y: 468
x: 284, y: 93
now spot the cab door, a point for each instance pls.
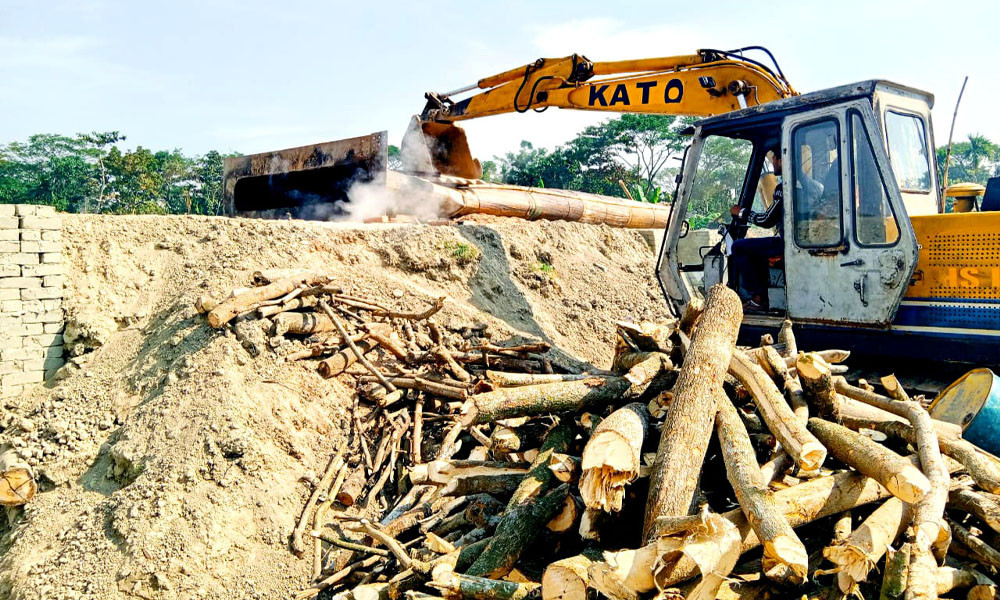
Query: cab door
x: 849, y: 246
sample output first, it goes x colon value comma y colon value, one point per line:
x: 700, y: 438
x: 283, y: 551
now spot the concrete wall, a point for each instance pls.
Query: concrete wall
x: 31, y: 291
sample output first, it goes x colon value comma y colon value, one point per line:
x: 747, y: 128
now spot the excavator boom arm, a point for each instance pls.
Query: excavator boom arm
x: 703, y: 84
x: 708, y: 83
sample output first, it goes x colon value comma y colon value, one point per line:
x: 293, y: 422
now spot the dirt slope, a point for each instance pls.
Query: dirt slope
x: 174, y: 463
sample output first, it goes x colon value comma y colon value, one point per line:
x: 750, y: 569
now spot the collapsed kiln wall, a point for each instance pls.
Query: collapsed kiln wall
x: 31, y: 292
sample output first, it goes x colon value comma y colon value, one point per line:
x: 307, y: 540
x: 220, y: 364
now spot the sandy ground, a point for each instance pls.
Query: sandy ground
x: 174, y: 463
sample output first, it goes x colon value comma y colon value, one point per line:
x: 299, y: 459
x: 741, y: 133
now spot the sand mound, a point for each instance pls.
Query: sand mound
x: 174, y: 461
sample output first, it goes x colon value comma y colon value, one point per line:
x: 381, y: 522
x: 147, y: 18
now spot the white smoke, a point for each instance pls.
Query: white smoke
x: 372, y: 200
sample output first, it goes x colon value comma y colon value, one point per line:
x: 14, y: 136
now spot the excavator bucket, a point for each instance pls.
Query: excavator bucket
x: 308, y: 182
x: 430, y: 147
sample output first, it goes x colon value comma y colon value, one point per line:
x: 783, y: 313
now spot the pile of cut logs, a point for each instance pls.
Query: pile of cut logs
x: 693, y: 468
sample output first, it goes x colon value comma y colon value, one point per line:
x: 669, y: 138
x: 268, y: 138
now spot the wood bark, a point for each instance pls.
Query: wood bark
x: 231, y: 308
x: 612, y: 457
x: 817, y: 383
x: 593, y: 392
x: 17, y: 479
x: 526, y: 513
x: 873, y: 459
x: 897, y: 567
x: 785, y: 557
x: 793, y: 435
x: 688, y: 425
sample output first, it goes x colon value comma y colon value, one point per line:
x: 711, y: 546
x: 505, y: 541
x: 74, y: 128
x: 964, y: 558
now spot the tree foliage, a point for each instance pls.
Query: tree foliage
x: 974, y: 160
x: 90, y: 173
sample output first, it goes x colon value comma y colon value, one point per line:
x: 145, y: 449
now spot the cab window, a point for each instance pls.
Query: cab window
x: 874, y: 222
x: 816, y: 193
x: 907, y: 143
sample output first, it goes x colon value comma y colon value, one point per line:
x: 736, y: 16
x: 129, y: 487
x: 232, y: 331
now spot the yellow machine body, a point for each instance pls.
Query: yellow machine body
x: 959, y: 256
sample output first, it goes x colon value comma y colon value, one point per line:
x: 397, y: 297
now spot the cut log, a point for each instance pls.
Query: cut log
x: 786, y: 339
x: 793, y: 387
x: 980, y: 550
x: 930, y: 531
x: 983, y: 469
x: 785, y: 557
x: 642, y: 372
x: 504, y: 379
x: 567, y: 579
x: 688, y: 425
x: 468, y: 587
x: 612, y: 457
x: 801, y: 504
x: 17, y: 479
x: 353, y: 488
x: 568, y: 518
x: 593, y: 392
x: 339, y: 362
x: 301, y: 323
x: 807, y: 452
x: 893, y: 471
x: 864, y: 548
x: 817, y: 383
x: 251, y: 299
x: 950, y: 578
x: 692, y: 314
x: 565, y: 468
x: 713, y: 545
x: 976, y: 504
x: 505, y: 440
x: 526, y: 512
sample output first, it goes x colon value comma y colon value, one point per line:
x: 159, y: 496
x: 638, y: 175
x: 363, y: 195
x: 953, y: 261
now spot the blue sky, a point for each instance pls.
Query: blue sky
x: 248, y: 75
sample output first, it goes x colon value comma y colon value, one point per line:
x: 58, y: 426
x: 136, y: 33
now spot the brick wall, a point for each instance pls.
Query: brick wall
x: 31, y: 291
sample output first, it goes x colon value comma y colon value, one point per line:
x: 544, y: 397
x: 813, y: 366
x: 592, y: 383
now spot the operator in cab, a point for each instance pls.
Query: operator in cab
x: 751, y: 255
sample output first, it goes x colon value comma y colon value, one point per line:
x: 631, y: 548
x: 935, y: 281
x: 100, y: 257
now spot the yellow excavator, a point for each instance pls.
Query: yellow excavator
x: 313, y: 181
x: 710, y: 82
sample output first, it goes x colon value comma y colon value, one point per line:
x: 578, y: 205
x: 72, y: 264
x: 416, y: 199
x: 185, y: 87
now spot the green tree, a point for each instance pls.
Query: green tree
x: 97, y: 150
x: 974, y: 160
x: 136, y: 185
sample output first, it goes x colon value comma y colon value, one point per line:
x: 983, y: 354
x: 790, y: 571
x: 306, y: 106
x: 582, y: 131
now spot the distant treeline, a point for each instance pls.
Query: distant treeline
x: 89, y: 173
x: 633, y: 155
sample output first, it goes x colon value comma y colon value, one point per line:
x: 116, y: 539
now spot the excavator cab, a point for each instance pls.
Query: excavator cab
x: 847, y: 249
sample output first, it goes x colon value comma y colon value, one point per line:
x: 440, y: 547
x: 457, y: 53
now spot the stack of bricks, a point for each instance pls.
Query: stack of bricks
x: 31, y: 291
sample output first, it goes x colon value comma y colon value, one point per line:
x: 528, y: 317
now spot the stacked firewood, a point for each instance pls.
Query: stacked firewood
x: 693, y: 468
